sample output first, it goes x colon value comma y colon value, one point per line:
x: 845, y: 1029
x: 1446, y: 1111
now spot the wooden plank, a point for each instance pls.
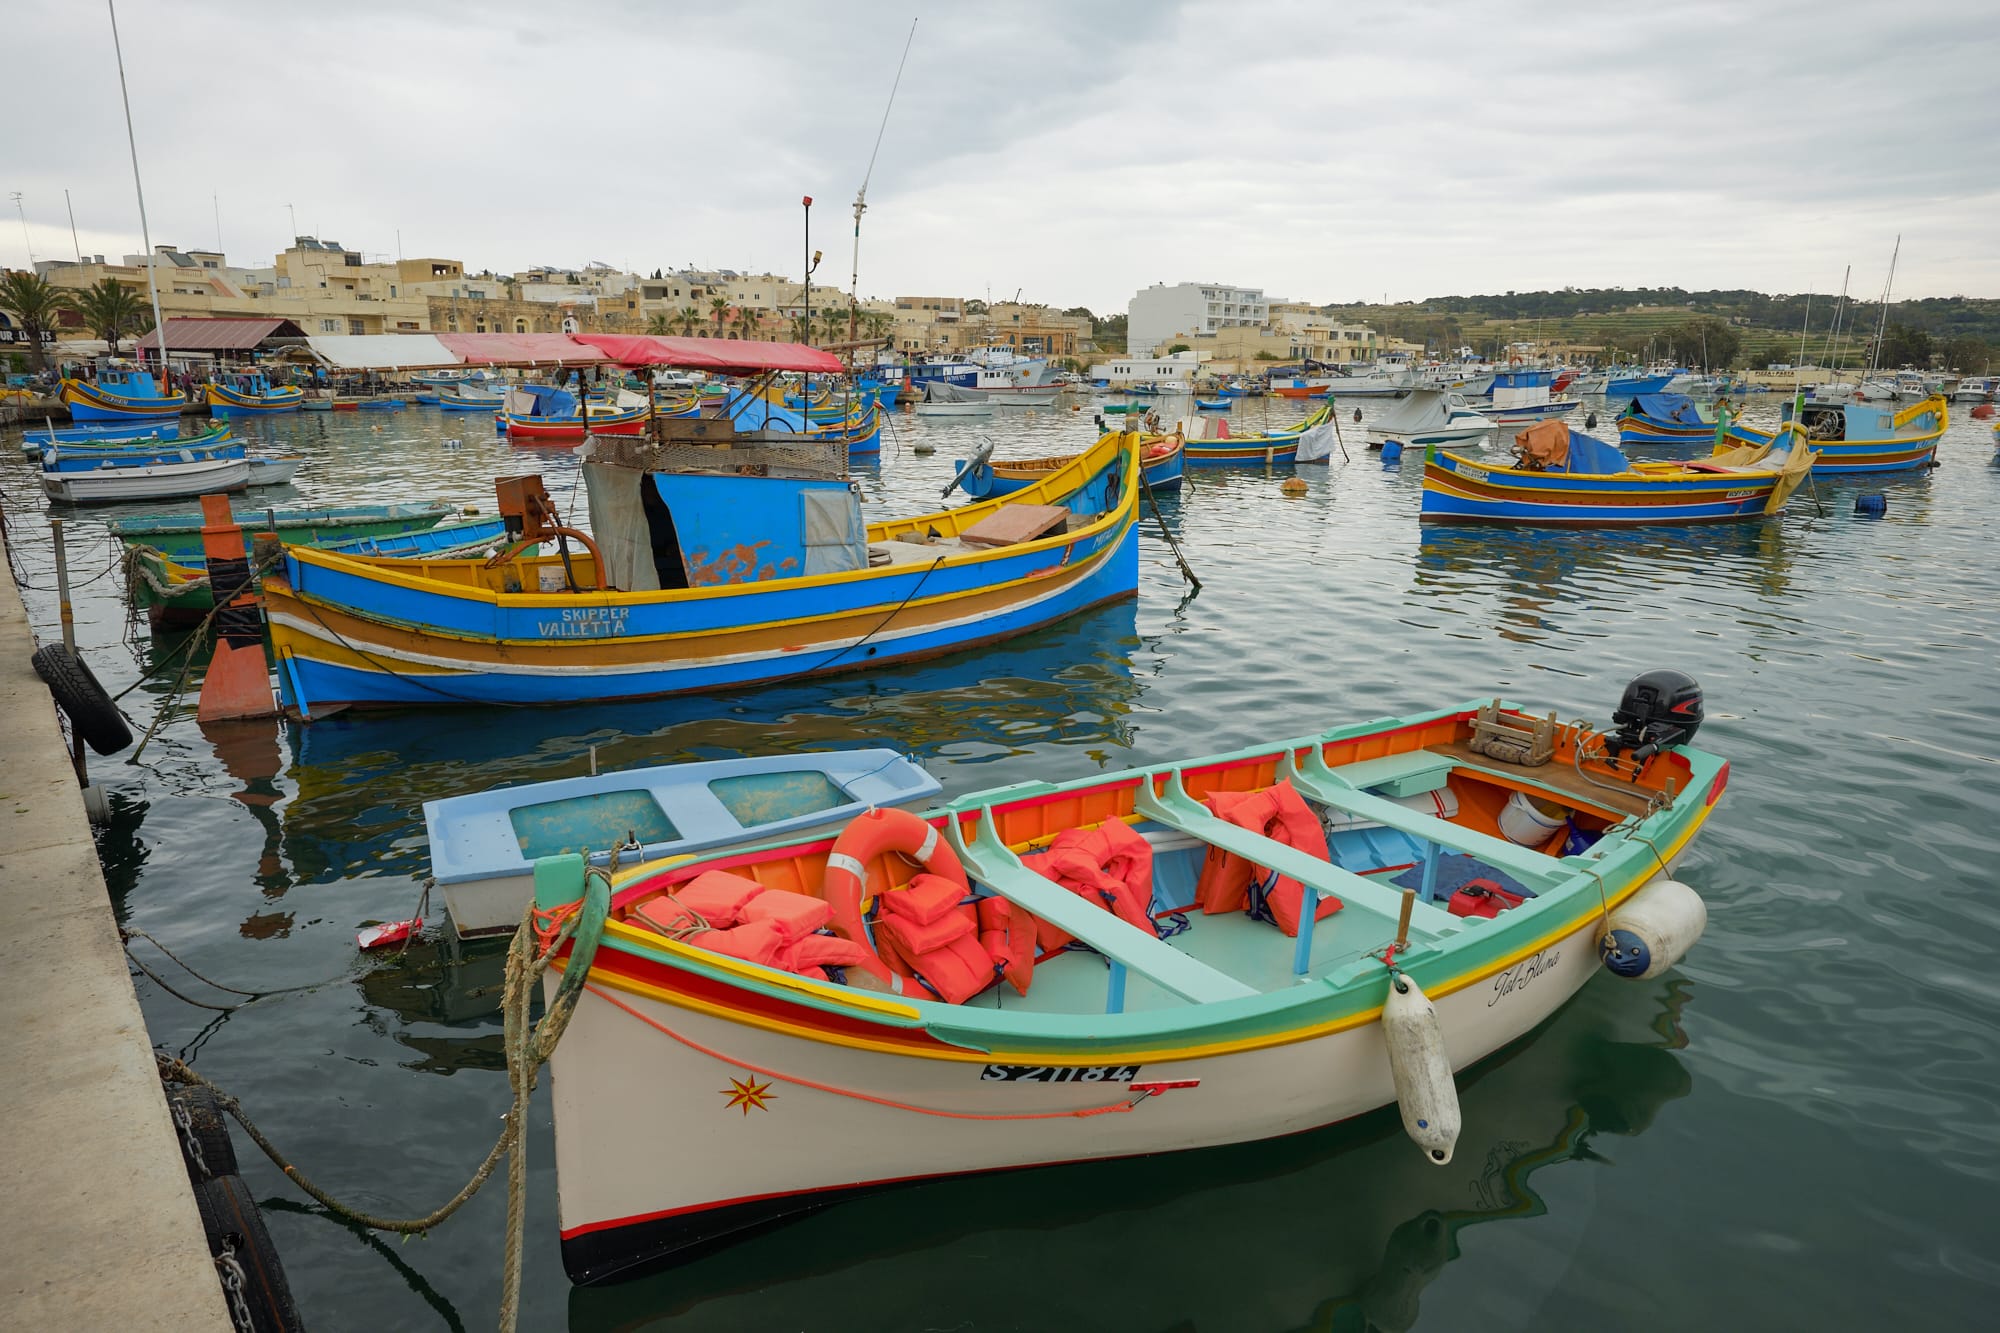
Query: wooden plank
x: 1012, y: 523
x: 1557, y: 776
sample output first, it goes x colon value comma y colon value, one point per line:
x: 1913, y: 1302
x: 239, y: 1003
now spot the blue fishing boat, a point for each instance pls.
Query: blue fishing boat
x: 1661, y: 418
x: 552, y: 415
x: 1855, y: 438
x: 749, y: 567
x: 106, y: 432
x: 467, y: 397
x: 1563, y: 478
x: 1275, y: 448
x: 1214, y: 404
x: 179, y: 535
x: 1633, y: 383
x: 120, y: 395
x: 484, y: 845
x: 1522, y: 397
x: 144, y: 470
x: 251, y: 394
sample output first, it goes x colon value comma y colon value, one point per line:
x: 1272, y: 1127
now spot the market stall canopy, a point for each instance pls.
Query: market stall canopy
x: 219, y: 335
x: 383, y: 351
x: 520, y: 349
x: 718, y: 355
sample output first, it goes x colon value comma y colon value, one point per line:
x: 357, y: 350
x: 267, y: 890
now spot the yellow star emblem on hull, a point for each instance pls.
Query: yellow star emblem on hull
x: 747, y: 1093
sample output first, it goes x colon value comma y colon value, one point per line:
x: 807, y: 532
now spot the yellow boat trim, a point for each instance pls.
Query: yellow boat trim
x: 848, y: 998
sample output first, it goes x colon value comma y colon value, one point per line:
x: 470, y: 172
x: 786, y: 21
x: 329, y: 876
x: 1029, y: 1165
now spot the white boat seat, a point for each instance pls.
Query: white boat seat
x: 992, y: 863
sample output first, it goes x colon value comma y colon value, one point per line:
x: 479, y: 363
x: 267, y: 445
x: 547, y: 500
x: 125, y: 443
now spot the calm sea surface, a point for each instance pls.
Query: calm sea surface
x: 1794, y: 1130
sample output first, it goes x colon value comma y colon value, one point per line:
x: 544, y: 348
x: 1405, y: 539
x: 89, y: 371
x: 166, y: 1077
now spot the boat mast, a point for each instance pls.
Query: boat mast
x: 145, y: 232
x: 1882, y: 320
x: 1833, y: 330
x: 861, y: 196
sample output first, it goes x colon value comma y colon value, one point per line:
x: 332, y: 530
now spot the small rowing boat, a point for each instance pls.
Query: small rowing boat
x: 144, y: 470
x: 1160, y: 459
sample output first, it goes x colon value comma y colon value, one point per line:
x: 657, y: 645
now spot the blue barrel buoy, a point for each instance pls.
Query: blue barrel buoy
x: 1392, y: 451
x: 1874, y: 506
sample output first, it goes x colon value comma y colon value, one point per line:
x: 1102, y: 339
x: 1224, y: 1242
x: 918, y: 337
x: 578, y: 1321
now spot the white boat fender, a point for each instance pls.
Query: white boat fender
x: 1653, y: 929
x: 1425, y: 1093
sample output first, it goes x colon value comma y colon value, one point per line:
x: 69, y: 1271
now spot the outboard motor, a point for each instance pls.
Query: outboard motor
x: 1660, y: 708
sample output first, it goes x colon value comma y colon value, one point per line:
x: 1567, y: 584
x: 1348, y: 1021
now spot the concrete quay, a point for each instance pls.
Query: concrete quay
x: 105, y: 1234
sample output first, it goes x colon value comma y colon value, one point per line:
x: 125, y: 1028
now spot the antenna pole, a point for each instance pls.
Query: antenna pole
x: 1882, y: 321
x: 72, y: 229
x: 145, y: 232
x: 861, y: 196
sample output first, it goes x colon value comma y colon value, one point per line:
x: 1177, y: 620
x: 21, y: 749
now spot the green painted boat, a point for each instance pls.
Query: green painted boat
x: 179, y: 535
x: 1187, y: 954
x: 175, y: 594
x: 1120, y: 409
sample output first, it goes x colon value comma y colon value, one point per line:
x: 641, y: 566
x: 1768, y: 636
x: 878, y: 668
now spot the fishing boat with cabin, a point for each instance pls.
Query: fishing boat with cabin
x: 1856, y: 438
x: 251, y: 394
x: 120, y: 395
x: 1564, y: 478
x: 716, y: 559
x: 1211, y: 951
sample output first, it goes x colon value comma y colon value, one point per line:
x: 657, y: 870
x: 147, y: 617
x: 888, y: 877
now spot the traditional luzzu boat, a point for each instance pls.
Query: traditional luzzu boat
x: 534, y: 413
x: 484, y: 845
x: 1856, y: 438
x: 251, y: 395
x: 1663, y: 418
x: 857, y: 427
x: 144, y: 470
x: 1563, y: 478
x: 1160, y: 459
x: 1277, y: 448
x: 1215, y: 951
x: 718, y: 559
x: 120, y: 395
x: 173, y: 590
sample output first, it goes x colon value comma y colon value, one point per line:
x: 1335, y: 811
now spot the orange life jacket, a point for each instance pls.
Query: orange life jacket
x: 1280, y: 814
x: 737, y: 916
x: 924, y: 931
x: 1110, y: 865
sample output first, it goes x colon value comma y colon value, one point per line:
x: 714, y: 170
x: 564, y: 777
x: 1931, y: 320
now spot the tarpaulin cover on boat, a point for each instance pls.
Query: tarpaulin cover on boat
x: 722, y: 356
x: 383, y: 351
x: 1423, y: 410
x: 520, y: 349
x: 1551, y: 446
x: 1677, y: 407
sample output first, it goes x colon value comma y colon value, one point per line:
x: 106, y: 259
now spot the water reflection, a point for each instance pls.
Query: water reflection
x: 1343, y: 1228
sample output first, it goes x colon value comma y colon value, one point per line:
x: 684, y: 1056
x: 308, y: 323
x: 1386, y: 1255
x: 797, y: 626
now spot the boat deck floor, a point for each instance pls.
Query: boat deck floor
x: 917, y: 553
x: 1254, y: 952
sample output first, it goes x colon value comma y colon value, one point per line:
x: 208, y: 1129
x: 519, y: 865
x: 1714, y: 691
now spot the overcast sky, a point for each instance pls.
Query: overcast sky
x: 1073, y: 151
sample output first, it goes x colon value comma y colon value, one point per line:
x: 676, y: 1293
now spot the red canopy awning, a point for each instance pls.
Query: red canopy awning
x: 722, y: 356
x: 519, y: 349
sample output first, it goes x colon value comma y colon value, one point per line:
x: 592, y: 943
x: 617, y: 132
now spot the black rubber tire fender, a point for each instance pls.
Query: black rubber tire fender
x: 229, y: 1217
x: 78, y: 694
x: 208, y: 1128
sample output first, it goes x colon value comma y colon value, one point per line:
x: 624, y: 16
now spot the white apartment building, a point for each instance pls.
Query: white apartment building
x: 1159, y: 312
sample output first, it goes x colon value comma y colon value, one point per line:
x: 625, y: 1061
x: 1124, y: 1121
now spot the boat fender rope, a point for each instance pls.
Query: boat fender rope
x: 1083, y: 1113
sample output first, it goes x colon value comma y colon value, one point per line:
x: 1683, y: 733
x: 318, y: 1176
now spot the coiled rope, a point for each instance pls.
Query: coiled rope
x: 528, y: 1046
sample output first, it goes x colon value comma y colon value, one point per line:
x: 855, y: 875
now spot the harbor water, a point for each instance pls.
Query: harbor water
x: 1795, y: 1128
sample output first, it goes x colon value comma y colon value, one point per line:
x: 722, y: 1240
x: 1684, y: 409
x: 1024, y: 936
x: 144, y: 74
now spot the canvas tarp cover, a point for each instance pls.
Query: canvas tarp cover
x: 942, y: 391
x: 618, y: 523
x: 1317, y: 444
x: 383, y: 351
x: 1551, y: 446
x: 1677, y: 408
x: 1423, y: 410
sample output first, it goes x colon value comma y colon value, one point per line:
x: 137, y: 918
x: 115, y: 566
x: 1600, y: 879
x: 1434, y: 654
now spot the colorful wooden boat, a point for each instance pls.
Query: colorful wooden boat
x: 144, y: 470
x: 484, y: 845
x: 173, y: 590
x: 469, y: 397
x: 1588, y: 483
x: 120, y: 395
x: 1122, y: 409
x: 1214, y: 405
x: 106, y: 432
x: 714, y: 580
x: 1159, y: 460
x: 1858, y: 438
x: 552, y: 416
x: 1181, y: 1022
x: 179, y: 535
x: 251, y: 395
x: 1663, y: 418
x: 1277, y: 448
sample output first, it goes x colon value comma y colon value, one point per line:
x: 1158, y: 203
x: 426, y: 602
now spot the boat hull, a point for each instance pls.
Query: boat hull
x: 273, y: 471
x: 227, y: 402
x: 1246, y: 452
x: 164, y: 481
x: 1462, y: 491
x: 87, y: 402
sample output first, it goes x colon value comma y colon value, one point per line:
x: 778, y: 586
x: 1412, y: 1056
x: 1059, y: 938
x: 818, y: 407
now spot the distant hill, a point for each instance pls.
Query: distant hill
x: 1633, y: 321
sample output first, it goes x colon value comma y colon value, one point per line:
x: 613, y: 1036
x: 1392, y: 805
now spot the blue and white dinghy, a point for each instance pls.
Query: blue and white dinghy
x: 484, y: 845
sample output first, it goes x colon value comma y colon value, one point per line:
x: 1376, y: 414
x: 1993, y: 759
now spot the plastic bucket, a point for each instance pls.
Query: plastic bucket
x: 1523, y: 820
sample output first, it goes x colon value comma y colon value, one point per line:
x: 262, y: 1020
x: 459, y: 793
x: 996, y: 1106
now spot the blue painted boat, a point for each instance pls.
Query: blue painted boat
x: 1214, y: 404
x: 1276, y: 448
x: 120, y: 395
x: 1563, y: 478
x: 1663, y: 418
x: 1633, y: 384
x: 470, y: 398
x: 425, y: 399
x: 1522, y: 397
x: 1854, y: 439
x: 1160, y: 459
x: 484, y: 845
x: 108, y: 432
x: 707, y: 580
x: 251, y: 394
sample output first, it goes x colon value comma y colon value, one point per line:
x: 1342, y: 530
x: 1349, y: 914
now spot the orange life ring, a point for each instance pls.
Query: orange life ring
x: 866, y: 837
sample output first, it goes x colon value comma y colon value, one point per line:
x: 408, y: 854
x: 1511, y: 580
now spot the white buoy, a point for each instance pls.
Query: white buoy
x: 1425, y: 1092
x: 922, y: 448
x: 1653, y: 930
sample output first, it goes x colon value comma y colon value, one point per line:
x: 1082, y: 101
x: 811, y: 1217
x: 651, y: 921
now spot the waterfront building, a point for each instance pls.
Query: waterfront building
x: 1155, y: 314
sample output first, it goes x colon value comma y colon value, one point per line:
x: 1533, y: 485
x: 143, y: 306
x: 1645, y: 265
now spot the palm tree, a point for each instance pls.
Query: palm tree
x: 112, y: 310
x: 659, y: 324
x: 801, y: 329
x: 690, y: 319
x: 36, y: 303
x: 718, y: 309
x: 832, y: 327
x: 878, y: 324
x: 747, y: 321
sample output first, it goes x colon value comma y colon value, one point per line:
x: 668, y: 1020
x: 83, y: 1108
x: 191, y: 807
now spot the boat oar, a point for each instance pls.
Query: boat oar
x: 977, y: 461
x: 1153, y: 503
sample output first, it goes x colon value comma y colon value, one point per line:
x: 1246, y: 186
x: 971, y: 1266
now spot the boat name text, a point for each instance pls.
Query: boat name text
x: 1518, y: 976
x: 586, y: 622
x: 1059, y: 1074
